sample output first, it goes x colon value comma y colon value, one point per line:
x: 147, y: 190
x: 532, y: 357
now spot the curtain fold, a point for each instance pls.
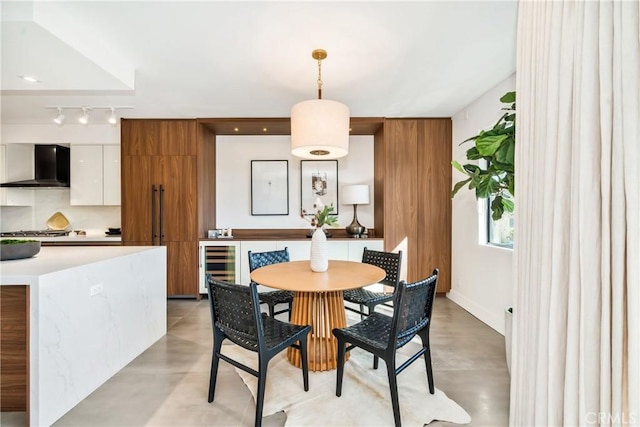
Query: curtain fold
x: 576, y: 357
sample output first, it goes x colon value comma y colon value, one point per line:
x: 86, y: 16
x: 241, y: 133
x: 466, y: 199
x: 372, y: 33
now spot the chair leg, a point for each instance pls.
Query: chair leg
x: 427, y: 360
x: 375, y: 358
x: 290, y: 310
x: 217, y: 346
x: 272, y: 310
x: 393, y: 387
x: 361, y: 312
x: 262, y: 383
x: 340, y: 373
x: 305, y: 362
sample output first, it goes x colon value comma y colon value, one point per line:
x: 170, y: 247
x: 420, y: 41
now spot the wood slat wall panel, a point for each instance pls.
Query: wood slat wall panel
x: 177, y: 175
x: 14, y: 348
x: 401, y: 171
x: 417, y: 194
x: 182, y: 268
x: 434, y: 154
x: 136, y: 198
x: 177, y: 138
x: 206, y: 172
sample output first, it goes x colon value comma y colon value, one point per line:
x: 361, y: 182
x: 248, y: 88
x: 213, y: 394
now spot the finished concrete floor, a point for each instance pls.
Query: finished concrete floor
x: 167, y: 384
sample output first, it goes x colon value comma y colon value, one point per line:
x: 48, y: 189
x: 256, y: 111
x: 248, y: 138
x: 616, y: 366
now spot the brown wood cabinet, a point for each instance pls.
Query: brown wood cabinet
x: 412, y: 187
x: 161, y: 176
x: 412, y: 168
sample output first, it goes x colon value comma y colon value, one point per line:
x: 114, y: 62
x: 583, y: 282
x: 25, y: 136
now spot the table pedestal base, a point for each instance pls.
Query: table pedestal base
x: 324, y: 311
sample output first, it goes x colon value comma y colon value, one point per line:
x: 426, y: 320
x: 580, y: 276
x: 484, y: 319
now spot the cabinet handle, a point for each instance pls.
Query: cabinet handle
x: 153, y: 215
x: 161, y: 206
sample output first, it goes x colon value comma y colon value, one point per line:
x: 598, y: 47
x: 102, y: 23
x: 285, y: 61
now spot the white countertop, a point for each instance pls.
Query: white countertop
x: 88, y: 238
x: 56, y: 258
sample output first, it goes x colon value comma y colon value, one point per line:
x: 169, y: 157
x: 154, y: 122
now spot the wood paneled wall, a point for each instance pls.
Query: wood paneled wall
x: 14, y: 348
x: 415, y: 163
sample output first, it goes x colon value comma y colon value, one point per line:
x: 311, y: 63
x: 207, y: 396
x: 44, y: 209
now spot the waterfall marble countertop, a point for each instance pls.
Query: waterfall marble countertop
x: 91, y: 311
x: 52, y: 259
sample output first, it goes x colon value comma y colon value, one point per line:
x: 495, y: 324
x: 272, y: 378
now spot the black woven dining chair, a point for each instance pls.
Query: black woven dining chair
x: 235, y: 315
x: 272, y: 298
x: 390, y: 262
x: 383, y: 335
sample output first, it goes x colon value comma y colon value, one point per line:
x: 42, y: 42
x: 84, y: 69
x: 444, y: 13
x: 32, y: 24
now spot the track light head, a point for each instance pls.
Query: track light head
x: 59, y: 118
x: 112, y: 118
x: 84, y: 118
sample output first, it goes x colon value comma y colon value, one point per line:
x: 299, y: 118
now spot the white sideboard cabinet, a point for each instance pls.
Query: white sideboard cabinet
x: 223, y: 257
x: 95, y: 175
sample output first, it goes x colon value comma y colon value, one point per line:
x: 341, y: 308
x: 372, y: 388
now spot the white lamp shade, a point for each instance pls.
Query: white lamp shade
x: 355, y: 194
x: 319, y: 129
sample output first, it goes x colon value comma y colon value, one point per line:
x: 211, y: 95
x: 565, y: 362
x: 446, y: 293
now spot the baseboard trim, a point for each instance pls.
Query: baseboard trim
x: 493, y: 321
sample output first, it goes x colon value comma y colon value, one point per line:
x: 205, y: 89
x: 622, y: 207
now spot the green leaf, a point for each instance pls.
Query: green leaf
x: 487, y: 146
x: 508, y: 97
x: 457, y: 166
x: 471, y: 169
x: 458, y: 186
x: 506, y: 153
x: 497, y: 208
x: 508, y: 205
x: 473, y: 154
x: 486, y: 187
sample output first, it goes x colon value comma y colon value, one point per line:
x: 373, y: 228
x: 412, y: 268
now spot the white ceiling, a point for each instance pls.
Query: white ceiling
x: 172, y: 59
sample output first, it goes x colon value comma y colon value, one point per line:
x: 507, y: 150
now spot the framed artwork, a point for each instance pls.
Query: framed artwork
x: 318, y: 179
x: 269, y: 187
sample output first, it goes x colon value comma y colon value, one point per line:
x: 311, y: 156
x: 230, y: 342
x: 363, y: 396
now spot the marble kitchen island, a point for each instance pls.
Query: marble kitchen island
x: 86, y: 313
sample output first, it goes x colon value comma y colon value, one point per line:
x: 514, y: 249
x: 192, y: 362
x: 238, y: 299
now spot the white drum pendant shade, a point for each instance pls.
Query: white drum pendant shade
x: 320, y: 129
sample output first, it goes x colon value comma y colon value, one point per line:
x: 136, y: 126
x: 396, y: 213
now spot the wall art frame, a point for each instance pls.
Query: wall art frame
x: 269, y: 187
x: 318, y: 180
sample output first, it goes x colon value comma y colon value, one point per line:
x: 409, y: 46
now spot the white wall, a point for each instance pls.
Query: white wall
x: 482, y: 275
x: 54, y: 134
x: 93, y: 219
x: 233, y: 180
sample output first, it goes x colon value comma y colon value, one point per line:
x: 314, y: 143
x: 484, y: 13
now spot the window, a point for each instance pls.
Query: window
x: 500, y: 232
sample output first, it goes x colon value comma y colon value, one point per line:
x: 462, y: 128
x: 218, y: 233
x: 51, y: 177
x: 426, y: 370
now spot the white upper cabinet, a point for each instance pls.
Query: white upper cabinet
x: 95, y: 175
x: 16, y: 164
x: 111, y: 174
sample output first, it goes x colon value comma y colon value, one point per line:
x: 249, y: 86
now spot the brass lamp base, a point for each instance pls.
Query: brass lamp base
x: 355, y: 229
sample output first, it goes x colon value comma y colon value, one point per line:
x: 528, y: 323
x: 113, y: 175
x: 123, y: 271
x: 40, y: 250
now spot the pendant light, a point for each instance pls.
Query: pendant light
x: 319, y: 127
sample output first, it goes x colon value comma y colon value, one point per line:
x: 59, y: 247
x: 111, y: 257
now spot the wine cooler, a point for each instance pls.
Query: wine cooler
x: 220, y: 259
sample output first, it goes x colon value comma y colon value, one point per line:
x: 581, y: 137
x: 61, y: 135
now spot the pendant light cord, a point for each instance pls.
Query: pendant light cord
x: 319, y: 78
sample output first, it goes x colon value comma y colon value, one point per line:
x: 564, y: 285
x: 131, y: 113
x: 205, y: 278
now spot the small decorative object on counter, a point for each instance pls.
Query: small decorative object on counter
x: 18, y: 249
x: 57, y: 221
x: 113, y: 232
x: 319, y: 258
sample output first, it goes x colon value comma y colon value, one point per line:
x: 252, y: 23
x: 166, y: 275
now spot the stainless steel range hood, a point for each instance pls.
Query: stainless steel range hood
x: 52, y: 168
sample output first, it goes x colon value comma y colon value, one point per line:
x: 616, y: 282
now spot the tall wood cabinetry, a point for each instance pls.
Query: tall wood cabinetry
x: 162, y: 170
x: 412, y: 168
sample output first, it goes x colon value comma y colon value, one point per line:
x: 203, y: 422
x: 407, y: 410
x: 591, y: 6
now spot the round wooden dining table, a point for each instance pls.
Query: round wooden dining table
x: 318, y: 302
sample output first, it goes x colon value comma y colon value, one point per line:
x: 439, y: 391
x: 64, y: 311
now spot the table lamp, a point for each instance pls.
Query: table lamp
x: 355, y: 195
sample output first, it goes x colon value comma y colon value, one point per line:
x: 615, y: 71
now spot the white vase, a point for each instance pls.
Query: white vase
x: 319, y: 251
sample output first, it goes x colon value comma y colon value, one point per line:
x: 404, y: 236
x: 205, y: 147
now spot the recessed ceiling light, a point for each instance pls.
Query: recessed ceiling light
x: 264, y: 129
x: 30, y: 79
x: 236, y: 129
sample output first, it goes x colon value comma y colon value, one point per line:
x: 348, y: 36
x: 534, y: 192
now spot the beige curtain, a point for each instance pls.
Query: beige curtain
x: 576, y: 356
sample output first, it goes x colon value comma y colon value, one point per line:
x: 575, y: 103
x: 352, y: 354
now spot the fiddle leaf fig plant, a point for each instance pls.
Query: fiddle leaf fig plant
x: 493, y: 178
